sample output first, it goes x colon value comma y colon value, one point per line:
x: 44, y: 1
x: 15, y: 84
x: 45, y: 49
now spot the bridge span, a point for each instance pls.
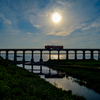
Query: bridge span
x: 58, y: 53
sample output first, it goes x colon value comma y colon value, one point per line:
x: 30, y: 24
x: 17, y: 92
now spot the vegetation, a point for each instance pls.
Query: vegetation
x: 19, y: 84
x: 86, y: 63
x: 86, y: 70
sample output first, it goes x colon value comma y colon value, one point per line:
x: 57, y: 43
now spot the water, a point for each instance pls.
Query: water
x: 65, y: 82
x: 59, y: 79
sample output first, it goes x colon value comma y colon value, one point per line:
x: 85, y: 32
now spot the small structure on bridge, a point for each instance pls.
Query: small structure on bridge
x: 53, y: 47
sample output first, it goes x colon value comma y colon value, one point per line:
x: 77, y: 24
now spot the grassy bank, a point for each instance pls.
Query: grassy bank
x: 85, y: 70
x: 88, y: 63
x: 19, y: 84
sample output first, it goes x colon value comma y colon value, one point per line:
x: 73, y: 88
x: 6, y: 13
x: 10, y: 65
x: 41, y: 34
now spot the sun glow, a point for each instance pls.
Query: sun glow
x: 56, y: 17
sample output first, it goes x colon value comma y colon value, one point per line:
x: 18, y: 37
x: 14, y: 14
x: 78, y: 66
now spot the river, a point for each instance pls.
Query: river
x: 58, y: 79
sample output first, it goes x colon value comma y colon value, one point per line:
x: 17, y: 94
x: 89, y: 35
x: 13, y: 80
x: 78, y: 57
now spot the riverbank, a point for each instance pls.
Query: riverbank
x: 19, y: 84
x: 87, y: 71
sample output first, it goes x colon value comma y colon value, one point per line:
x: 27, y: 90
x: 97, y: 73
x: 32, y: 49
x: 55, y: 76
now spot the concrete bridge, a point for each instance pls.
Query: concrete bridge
x: 58, y: 52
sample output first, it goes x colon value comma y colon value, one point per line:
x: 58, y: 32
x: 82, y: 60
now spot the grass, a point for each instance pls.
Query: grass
x: 85, y: 70
x: 88, y: 63
x: 19, y: 84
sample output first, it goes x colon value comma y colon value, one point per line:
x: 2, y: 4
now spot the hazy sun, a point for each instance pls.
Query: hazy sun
x: 56, y: 17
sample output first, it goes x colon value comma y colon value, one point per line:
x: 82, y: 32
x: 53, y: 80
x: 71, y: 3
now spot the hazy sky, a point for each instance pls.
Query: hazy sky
x: 29, y: 24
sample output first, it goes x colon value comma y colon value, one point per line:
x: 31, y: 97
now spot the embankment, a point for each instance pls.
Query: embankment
x: 19, y: 84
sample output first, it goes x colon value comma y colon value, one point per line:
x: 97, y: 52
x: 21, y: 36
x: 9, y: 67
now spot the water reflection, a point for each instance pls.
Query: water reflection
x: 54, y: 56
x: 61, y: 80
x: 69, y: 84
x: 47, y: 73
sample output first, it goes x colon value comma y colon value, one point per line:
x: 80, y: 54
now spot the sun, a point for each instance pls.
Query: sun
x: 56, y: 17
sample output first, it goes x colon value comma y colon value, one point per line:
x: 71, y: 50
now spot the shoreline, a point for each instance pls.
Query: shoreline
x: 18, y: 83
x: 77, y: 69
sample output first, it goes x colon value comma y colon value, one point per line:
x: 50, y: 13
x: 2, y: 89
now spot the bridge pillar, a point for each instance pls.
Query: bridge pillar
x: 58, y: 55
x: 15, y: 55
x: 66, y: 54
x: 41, y: 60
x: 98, y: 55
x: 32, y: 68
x: 50, y: 54
x: 32, y: 59
x: 84, y: 54
x: 7, y: 55
x: 0, y: 53
x: 24, y: 55
x: 75, y: 54
x: 23, y: 65
x: 91, y: 54
x: 49, y: 71
x: 40, y: 69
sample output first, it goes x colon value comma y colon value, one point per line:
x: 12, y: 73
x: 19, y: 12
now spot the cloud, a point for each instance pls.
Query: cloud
x: 5, y: 21
x: 37, y: 26
x: 73, y: 17
x: 33, y: 19
x: 60, y: 33
x: 54, y: 42
x: 86, y: 28
x: 29, y: 33
x: 65, y: 31
x: 94, y: 24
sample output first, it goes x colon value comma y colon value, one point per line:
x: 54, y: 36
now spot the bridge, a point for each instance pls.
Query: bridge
x: 32, y: 62
x: 58, y: 53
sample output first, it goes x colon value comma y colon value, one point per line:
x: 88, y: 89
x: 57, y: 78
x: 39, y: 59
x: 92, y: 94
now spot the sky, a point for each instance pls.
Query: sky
x: 29, y: 23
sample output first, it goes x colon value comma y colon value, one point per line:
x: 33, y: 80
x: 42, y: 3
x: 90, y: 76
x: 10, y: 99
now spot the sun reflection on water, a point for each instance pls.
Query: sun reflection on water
x: 56, y: 56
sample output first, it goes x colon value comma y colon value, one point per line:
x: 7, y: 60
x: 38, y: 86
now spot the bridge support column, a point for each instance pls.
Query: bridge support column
x: 49, y: 54
x: 40, y: 69
x: 6, y: 55
x: 91, y: 54
x: 75, y: 54
x: 0, y: 53
x: 66, y: 54
x: 23, y: 56
x: 32, y: 68
x: 41, y: 60
x: 23, y: 65
x: 49, y: 71
x: 32, y: 59
x: 83, y: 54
x: 98, y: 55
x: 15, y: 55
x: 58, y: 55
